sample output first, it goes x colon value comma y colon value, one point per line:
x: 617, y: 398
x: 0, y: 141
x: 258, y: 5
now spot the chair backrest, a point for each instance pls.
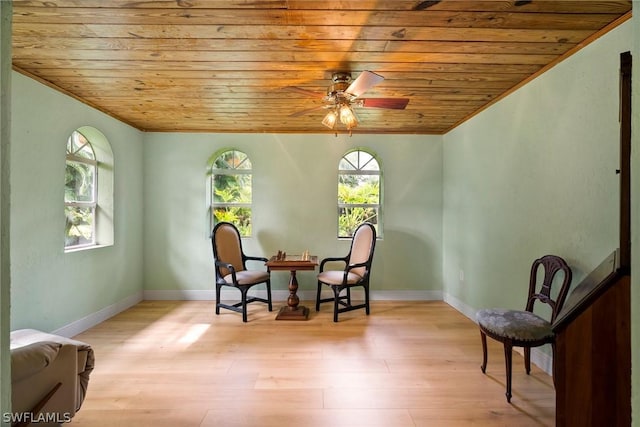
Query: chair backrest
x: 551, y: 264
x: 227, y: 246
x: 362, y: 246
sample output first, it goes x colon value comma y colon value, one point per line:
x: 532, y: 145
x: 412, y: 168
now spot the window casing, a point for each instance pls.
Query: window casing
x: 359, y: 192
x: 89, y: 191
x: 231, y: 190
x: 81, y: 192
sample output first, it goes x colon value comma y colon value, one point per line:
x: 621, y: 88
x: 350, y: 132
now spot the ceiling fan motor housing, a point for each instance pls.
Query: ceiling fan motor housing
x: 336, y: 91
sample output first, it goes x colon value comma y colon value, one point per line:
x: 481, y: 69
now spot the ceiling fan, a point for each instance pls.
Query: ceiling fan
x: 343, y: 95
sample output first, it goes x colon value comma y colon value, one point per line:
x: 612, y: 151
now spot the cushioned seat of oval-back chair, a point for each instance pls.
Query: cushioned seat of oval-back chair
x: 523, y: 328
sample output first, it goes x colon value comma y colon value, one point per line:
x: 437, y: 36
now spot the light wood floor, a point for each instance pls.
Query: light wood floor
x: 407, y: 364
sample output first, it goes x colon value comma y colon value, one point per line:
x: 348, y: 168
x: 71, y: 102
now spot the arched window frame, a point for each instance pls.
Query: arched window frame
x: 235, y: 206
x: 81, y: 192
x: 93, y: 152
x: 359, y: 166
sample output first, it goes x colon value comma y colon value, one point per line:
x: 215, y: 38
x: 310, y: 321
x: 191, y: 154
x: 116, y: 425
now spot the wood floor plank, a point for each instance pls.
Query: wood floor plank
x: 311, y: 418
x: 175, y: 363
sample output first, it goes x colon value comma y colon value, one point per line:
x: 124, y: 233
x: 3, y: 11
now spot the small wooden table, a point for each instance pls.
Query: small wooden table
x: 292, y: 263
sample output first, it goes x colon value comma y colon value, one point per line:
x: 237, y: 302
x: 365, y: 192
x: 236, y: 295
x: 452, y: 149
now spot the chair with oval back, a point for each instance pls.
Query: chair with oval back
x: 515, y: 328
x: 356, y: 272
x: 231, y: 269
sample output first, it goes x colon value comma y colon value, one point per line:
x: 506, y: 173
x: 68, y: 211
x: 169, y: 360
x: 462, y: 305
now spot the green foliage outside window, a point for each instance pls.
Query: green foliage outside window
x: 231, y: 190
x: 79, y: 226
x: 353, y: 198
x: 79, y: 182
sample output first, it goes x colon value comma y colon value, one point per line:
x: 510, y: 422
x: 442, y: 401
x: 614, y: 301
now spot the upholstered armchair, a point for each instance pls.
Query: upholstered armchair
x: 230, y: 264
x: 49, y: 377
x: 356, y: 272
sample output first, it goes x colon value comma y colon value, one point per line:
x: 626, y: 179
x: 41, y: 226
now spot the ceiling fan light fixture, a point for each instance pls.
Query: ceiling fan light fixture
x: 347, y: 117
x: 330, y: 119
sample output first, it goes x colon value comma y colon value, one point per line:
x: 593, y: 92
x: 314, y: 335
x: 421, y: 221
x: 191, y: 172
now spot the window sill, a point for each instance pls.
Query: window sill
x: 84, y: 248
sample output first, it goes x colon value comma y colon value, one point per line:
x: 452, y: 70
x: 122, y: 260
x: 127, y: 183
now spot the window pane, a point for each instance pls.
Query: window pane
x: 78, y: 145
x: 232, y: 188
x: 358, y: 160
x: 349, y: 218
x: 232, y: 160
x: 240, y: 217
x: 359, y: 189
x: 369, y: 163
x: 79, y: 229
x: 346, y: 165
x: 80, y: 182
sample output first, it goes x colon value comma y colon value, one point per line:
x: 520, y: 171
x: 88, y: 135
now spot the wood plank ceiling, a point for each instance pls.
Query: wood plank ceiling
x: 221, y: 65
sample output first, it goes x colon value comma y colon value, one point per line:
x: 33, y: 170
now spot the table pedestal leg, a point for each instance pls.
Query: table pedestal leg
x: 292, y: 311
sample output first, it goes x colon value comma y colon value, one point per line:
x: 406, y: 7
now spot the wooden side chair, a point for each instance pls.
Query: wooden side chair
x: 356, y: 272
x: 525, y: 329
x: 231, y: 270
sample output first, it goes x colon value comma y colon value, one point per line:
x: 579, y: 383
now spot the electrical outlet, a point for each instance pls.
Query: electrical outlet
x: 461, y: 275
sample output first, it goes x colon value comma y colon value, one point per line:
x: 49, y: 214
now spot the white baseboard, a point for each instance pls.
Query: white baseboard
x: 181, y: 295
x: 81, y: 325
x: 282, y: 295
x: 463, y: 308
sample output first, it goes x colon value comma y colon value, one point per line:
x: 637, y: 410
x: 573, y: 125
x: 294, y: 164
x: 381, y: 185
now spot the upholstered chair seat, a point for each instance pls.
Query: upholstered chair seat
x: 248, y: 277
x: 515, y: 324
x: 337, y: 277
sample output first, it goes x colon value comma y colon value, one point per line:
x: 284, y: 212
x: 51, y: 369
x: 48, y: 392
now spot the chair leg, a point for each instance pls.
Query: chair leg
x: 269, y: 295
x: 507, y: 361
x: 366, y: 300
x: 243, y: 299
x: 349, y: 296
x: 218, y: 298
x: 527, y: 360
x: 336, y: 295
x: 318, y: 297
x: 483, y: 338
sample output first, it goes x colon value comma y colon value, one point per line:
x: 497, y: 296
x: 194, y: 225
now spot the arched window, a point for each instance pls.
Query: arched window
x: 88, y: 192
x: 230, y: 175
x: 359, y: 192
x: 80, y: 192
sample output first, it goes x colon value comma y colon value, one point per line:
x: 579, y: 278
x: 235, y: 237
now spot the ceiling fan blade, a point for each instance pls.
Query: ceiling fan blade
x: 389, y: 103
x: 365, y: 81
x: 308, y: 110
x: 304, y: 91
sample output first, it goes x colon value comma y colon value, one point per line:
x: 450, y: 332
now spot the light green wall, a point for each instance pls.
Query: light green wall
x: 51, y: 288
x: 532, y: 175
x: 294, y: 205
x: 635, y: 226
x: 5, y: 277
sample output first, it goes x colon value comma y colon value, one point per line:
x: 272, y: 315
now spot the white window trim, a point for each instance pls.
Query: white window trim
x: 211, y: 173
x: 104, y: 187
x: 378, y: 172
